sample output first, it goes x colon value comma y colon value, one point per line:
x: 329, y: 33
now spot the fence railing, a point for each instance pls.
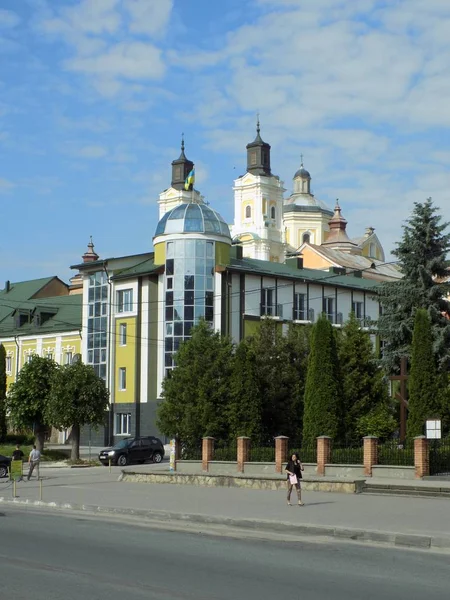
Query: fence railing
x: 262, y: 454
x: 226, y: 452
x: 307, y: 454
x: 394, y: 454
x: 343, y: 455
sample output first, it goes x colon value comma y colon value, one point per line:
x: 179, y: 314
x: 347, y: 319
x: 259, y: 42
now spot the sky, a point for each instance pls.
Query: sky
x: 94, y: 96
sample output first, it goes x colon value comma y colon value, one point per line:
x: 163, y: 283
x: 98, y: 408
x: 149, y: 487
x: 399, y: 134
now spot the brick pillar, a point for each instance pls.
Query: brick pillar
x: 370, y: 454
x: 281, y: 452
x: 421, y: 456
x: 207, y: 451
x: 243, y: 452
x: 323, y: 453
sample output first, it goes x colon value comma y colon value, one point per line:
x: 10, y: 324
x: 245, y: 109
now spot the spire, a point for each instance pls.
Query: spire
x: 90, y: 255
x: 258, y: 154
x: 181, y: 168
x: 338, y: 237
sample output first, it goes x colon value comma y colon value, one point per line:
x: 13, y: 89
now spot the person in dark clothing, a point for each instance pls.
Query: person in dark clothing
x: 294, y: 470
x: 18, y: 455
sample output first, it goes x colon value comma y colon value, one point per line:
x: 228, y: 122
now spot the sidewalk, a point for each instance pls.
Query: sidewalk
x: 353, y: 516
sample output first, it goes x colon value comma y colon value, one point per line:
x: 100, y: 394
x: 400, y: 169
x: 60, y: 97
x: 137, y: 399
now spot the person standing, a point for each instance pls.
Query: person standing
x: 33, y: 460
x: 18, y: 455
x: 294, y: 470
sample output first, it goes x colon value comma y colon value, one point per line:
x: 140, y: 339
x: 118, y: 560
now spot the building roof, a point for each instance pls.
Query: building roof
x: 272, y: 269
x: 64, y: 314
x: 303, y: 202
x: 20, y: 291
x: 193, y: 218
x: 372, y: 268
x: 146, y: 267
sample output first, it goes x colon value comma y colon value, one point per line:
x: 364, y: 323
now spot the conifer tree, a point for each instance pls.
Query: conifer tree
x: 3, y: 429
x: 323, y: 394
x: 424, y: 399
x: 421, y: 257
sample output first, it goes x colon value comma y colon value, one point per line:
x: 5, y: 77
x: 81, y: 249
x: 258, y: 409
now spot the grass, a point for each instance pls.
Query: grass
x: 47, y: 455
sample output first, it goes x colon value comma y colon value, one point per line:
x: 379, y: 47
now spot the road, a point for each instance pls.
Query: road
x: 49, y: 557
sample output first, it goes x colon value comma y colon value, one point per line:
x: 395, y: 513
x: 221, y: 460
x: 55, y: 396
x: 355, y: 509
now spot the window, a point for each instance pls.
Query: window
x: 267, y: 307
x: 248, y: 212
x: 299, y: 307
x: 272, y: 212
x: 50, y: 355
x: 122, y: 379
x: 124, y: 301
x: 123, y: 423
x: 328, y: 308
x: 306, y: 238
x: 357, y: 309
x: 123, y: 334
x: 253, y: 158
x: 68, y: 358
x: 29, y: 358
x: 9, y: 364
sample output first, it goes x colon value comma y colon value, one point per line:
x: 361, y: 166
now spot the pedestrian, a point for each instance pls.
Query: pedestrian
x: 294, y: 470
x: 33, y: 459
x: 18, y: 455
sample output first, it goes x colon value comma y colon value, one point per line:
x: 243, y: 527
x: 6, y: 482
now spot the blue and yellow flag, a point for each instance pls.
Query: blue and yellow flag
x: 190, y: 180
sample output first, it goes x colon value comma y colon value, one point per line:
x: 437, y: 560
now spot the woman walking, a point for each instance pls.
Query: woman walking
x: 294, y: 470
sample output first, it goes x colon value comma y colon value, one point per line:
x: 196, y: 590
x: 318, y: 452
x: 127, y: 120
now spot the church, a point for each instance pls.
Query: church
x: 127, y: 315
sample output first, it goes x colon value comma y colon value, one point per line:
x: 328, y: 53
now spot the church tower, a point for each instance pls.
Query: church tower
x: 258, y: 205
x: 176, y: 193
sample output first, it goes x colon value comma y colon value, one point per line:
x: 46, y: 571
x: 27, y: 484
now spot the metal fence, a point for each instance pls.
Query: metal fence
x: 395, y: 454
x: 262, y: 453
x: 344, y: 455
x: 307, y: 454
x: 226, y: 452
x: 191, y: 452
x: 440, y: 457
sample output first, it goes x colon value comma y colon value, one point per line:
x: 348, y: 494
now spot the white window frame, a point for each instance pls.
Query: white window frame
x: 68, y: 356
x: 122, y: 424
x: 122, y: 334
x: 9, y: 364
x: 122, y: 306
x: 355, y: 306
x: 122, y: 379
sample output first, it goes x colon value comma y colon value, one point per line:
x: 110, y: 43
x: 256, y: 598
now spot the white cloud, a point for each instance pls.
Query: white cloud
x: 8, y: 19
x: 150, y: 18
x: 6, y: 185
x: 93, y: 152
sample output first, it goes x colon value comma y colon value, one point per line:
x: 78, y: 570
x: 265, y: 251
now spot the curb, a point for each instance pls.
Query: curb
x: 340, y: 533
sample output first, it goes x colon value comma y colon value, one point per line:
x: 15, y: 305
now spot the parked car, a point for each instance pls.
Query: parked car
x: 5, y: 461
x: 129, y: 450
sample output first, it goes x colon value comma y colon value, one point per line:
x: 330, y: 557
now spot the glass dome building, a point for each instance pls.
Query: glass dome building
x: 190, y: 241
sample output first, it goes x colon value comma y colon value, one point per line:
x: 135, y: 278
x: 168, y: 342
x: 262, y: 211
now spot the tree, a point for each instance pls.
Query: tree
x: 322, y: 412
x: 3, y: 428
x: 78, y: 397
x: 364, y: 390
x: 424, y: 393
x: 28, y: 397
x: 422, y: 259
x: 196, y: 394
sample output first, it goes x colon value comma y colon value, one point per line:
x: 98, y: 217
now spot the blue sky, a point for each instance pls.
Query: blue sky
x: 94, y: 95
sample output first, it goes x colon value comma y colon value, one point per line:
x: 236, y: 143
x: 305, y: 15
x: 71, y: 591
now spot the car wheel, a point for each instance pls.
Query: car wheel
x: 3, y: 471
x: 122, y: 461
x: 157, y: 457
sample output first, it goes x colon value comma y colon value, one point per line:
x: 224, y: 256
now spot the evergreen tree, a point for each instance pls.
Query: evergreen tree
x: 364, y: 390
x: 28, y: 397
x: 196, y: 394
x: 78, y: 397
x: 424, y: 399
x: 298, y: 346
x: 322, y: 411
x: 422, y: 259
x: 3, y: 428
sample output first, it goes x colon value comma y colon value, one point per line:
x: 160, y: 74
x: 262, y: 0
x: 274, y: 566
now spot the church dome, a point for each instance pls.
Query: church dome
x: 302, y: 173
x: 193, y: 218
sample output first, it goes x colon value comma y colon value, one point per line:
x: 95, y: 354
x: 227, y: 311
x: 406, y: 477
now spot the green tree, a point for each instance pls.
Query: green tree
x: 78, y: 397
x: 196, y: 394
x: 3, y: 428
x: 28, y: 396
x: 422, y: 259
x: 364, y: 389
x: 322, y: 412
x: 424, y: 393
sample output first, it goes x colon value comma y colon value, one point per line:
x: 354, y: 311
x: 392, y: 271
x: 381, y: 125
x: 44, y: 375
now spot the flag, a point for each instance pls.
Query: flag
x: 190, y: 180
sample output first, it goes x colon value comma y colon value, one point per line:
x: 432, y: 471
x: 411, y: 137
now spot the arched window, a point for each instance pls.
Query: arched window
x: 306, y: 238
x: 272, y: 212
x: 248, y: 212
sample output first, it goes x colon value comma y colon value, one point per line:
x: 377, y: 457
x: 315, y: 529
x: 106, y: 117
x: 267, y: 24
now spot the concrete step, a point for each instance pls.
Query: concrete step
x: 406, y: 490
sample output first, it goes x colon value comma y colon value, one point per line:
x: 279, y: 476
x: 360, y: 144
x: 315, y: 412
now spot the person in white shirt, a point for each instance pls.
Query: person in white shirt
x: 33, y: 460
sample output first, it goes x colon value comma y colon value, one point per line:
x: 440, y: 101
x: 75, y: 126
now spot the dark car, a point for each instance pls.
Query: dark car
x: 5, y: 461
x: 133, y: 450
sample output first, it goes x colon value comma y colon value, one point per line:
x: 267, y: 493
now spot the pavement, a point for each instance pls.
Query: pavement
x: 393, y: 520
x: 50, y: 556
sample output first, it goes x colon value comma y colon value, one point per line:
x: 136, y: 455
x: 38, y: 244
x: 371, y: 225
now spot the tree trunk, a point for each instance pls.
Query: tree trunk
x: 39, y: 434
x: 75, y: 436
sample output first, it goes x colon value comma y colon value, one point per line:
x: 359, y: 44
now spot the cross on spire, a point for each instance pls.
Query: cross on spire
x: 301, y: 160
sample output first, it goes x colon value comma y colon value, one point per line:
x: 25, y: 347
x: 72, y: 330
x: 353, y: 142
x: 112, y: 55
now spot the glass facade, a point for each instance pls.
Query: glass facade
x: 97, y: 333
x: 189, y: 291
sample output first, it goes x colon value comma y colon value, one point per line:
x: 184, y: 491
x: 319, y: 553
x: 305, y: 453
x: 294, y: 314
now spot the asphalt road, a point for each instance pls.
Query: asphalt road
x: 50, y: 556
